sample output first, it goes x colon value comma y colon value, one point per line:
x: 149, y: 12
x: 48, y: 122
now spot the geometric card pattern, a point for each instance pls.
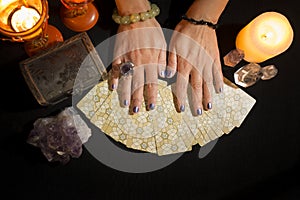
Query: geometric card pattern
x: 163, y: 130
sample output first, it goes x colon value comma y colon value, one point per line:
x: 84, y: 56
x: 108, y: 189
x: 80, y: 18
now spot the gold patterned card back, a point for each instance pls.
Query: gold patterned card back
x: 163, y: 130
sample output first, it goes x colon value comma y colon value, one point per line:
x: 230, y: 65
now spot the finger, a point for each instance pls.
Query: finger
x: 116, y: 67
x: 137, y: 89
x: 207, y: 105
x: 218, y: 76
x: 114, y: 74
x: 172, y: 65
x: 124, y: 90
x: 172, y: 56
x: 181, y: 84
x: 151, y: 86
x: 207, y: 76
x: 216, y: 65
x: 197, y: 86
x: 207, y: 82
x: 151, y: 95
x: 162, y: 62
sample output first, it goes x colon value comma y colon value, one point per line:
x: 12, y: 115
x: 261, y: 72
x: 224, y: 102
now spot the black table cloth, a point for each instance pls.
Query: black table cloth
x: 259, y: 159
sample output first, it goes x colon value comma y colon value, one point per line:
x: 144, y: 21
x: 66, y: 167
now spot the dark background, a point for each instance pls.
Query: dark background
x: 259, y: 159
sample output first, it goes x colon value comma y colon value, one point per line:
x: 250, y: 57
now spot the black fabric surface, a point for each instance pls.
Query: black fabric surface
x: 258, y: 160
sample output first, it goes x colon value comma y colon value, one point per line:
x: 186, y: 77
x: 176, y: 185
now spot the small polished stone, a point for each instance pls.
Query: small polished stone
x: 248, y: 75
x: 269, y: 71
x: 232, y: 58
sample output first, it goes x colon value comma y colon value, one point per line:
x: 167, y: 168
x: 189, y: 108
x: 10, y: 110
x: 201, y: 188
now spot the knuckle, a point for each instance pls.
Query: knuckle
x: 196, y: 85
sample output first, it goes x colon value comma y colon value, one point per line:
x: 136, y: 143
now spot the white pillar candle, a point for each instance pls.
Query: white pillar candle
x: 266, y: 36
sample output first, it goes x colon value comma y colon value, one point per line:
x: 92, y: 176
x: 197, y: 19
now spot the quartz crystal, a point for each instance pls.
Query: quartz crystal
x: 269, y: 72
x: 232, y: 58
x: 252, y: 72
x: 60, y: 137
x: 248, y: 75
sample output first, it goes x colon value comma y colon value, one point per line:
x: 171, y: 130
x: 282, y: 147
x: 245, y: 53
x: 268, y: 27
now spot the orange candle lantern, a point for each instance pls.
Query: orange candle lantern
x: 27, y: 21
x: 79, y: 15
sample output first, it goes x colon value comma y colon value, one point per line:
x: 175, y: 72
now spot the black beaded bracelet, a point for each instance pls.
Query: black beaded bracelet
x: 200, y: 22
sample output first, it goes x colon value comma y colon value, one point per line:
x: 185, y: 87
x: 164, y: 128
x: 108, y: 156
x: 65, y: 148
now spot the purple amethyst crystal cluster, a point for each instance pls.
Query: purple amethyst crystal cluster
x: 60, y: 138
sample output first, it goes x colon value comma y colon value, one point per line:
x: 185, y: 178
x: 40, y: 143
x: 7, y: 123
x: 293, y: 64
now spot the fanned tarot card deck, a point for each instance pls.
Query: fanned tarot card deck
x: 163, y: 130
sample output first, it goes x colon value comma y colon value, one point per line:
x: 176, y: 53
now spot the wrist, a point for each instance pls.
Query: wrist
x: 128, y: 7
x: 135, y: 17
x: 199, y: 22
x: 208, y: 10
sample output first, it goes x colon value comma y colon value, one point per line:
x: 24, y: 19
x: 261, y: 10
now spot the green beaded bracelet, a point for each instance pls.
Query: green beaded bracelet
x: 136, y: 17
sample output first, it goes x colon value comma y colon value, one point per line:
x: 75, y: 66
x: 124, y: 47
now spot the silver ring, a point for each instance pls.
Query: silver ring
x: 126, y: 68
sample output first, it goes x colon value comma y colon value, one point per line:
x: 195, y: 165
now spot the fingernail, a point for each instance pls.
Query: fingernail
x: 209, y: 106
x: 168, y: 73
x: 135, y: 109
x: 113, y: 86
x: 221, y: 89
x: 199, y: 111
x: 182, y: 108
x: 125, y: 102
x: 151, y: 106
x: 163, y: 74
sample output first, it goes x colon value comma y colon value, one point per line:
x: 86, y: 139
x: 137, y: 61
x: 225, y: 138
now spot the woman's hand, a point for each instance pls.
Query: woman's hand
x: 143, y: 44
x: 194, y: 54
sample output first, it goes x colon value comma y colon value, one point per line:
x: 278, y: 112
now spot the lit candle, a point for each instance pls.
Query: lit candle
x: 79, y: 1
x: 24, y: 19
x: 266, y: 36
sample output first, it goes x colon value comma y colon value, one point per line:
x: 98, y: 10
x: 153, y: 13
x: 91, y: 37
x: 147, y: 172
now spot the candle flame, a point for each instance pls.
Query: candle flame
x: 267, y: 36
x: 24, y: 19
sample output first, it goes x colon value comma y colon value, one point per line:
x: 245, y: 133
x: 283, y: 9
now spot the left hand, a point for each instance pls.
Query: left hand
x: 194, y: 54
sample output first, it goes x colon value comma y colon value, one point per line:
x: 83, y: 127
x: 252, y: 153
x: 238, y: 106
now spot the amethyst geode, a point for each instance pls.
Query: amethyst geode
x: 60, y: 137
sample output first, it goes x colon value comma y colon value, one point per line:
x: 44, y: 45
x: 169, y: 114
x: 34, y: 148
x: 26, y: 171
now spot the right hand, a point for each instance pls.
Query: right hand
x: 143, y: 44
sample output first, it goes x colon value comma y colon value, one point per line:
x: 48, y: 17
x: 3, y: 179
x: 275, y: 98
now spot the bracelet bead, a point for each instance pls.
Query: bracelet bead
x: 136, y: 17
x: 144, y: 16
x: 125, y: 20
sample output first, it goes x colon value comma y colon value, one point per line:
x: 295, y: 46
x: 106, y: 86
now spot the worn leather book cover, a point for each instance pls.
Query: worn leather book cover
x: 53, y: 75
